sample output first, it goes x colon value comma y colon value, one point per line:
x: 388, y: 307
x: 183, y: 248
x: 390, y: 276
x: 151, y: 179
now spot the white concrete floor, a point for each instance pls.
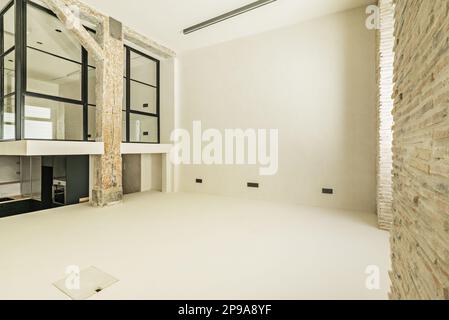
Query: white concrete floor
x: 191, y: 246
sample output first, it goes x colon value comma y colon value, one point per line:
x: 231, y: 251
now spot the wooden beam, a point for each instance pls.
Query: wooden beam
x: 93, y: 16
x: 146, y: 43
x: 87, y: 13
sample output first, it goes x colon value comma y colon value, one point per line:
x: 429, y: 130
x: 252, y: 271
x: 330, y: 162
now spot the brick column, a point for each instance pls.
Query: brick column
x: 385, y: 43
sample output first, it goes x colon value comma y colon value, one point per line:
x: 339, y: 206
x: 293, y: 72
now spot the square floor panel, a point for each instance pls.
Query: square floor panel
x: 91, y: 281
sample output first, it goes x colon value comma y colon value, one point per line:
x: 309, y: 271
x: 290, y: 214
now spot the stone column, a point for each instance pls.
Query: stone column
x: 107, y: 188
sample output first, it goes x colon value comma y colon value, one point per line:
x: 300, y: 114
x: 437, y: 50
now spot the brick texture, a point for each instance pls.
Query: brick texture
x: 385, y: 43
x: 420, y: 232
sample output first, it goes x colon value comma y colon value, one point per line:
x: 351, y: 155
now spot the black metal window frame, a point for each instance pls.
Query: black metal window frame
x: 127, y: 108
x: 21, y: 92
x: 3, y: 54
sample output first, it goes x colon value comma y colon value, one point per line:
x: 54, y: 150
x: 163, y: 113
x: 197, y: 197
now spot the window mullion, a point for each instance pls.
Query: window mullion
x: 128, y: 94
x: 20, y: 64
x: 158, y: 101
x: 84, y: 92
x: 2, y: 74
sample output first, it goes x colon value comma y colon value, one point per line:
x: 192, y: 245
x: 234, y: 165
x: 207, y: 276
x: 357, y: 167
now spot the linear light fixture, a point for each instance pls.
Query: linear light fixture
x: 227, y: 15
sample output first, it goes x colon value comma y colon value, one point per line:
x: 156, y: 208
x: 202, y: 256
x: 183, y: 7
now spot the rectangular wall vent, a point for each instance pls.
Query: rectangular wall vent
x: 253, y: 185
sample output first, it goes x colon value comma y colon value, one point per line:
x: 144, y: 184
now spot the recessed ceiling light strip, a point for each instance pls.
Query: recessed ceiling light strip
x: 228, y: 15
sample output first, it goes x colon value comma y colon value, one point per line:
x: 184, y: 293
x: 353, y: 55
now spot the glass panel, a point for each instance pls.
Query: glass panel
x: 143, y: 98
x: 143, y: 128
x: 53, y: 76
x: 36, y: 129
x: 9, y: 75
x: 143, y: 69
x: 48, y: 119
x: 124, y: 126
x: 9, y: 118
x: 92, y: 96
x: 47, y: 33
x: 92, y: 125
x: 90, y: 60
x: 9, y: 28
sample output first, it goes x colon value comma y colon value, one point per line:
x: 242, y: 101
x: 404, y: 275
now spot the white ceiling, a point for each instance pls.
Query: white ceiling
x: 164, y: 20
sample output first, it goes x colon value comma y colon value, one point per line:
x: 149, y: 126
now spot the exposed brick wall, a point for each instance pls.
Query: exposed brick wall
x: 385, y: 43
x: 420, y: 233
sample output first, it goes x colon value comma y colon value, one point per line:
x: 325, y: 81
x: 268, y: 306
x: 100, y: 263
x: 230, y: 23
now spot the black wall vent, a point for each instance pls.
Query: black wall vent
x: 253, y: 185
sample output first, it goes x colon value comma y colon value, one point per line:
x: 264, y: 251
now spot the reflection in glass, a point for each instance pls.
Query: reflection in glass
x: 143, y: 69
x: 38, y: 122
x: 55, y: 120
x: 53, y: 76
x: 143, y: 98
x: 9, y: 73
x: 143, y: 128
x: 9, y: 28
x: 9, y: 118
x: 47, y: 33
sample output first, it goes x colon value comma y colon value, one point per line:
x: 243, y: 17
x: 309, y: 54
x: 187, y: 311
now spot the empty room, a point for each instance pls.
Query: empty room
x: 233, y: 150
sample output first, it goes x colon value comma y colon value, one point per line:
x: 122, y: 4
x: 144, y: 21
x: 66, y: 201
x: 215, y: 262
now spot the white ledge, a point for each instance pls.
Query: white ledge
x: 50, y: 148
x: 145, y: 148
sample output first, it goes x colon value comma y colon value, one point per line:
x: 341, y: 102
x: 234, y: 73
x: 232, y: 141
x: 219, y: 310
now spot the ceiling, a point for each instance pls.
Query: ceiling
x: 164, y: 20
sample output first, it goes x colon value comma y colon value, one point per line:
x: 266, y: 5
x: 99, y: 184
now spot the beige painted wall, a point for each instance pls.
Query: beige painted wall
x: 9, y: 172
x: 316, y: 83
x: 151, y: 178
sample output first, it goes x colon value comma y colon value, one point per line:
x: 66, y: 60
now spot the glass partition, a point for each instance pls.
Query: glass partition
x: 53, y: 76
x: 8, y: 26
x: 48, y: 81
x: 53, y: 85
x: 9, y: 74
x: 141, y: 98
x: 143, y: 128
x: 7, y: 66
x: 52, y: 120
x: 9, y: 118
